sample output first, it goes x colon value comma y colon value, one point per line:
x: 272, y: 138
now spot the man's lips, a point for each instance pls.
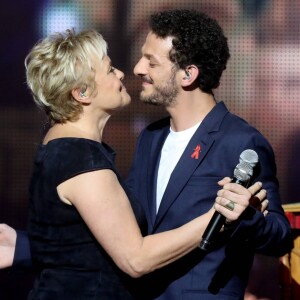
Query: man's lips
x: 147, y: 82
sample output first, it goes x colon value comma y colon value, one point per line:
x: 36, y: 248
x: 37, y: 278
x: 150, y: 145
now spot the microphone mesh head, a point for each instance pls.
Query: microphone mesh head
x: 243, y: 171
x: 249, y: 156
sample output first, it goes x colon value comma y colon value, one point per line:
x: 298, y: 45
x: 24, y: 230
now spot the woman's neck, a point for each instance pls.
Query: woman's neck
x: 79, y: 129
x: 85, y: 131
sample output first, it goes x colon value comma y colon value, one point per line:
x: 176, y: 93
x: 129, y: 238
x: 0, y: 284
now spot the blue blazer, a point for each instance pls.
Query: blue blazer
x: 223, y: 272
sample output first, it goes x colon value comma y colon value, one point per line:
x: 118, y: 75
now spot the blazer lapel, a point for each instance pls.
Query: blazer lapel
x: 191, y: 158
x: 153, y: 163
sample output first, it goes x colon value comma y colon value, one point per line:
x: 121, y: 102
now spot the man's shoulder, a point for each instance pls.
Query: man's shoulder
x: 239, y: 124
x: 239, y: 129
x: 223, y: 120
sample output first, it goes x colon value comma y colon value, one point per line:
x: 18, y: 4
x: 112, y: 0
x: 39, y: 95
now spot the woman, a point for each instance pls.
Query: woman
x: 86, y: 229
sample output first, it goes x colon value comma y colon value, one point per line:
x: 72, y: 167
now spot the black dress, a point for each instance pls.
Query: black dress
x: 70, y: 262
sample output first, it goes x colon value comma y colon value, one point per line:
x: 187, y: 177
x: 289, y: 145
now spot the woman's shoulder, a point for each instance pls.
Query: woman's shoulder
x: 75, y: 144
x: 71, y: 156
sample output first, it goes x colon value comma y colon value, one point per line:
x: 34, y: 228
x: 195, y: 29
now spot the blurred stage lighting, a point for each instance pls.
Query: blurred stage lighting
x: 57, y: 16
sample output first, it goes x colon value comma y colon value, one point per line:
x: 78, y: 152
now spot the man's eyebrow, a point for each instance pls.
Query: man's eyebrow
x: 151, y: 56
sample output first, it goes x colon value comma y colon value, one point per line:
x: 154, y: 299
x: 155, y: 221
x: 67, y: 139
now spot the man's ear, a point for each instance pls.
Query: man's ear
x: 81, y: 96
x: 189, y: 75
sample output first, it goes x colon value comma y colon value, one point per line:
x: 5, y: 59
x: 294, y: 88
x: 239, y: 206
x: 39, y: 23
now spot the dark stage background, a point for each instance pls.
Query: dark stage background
x: 261, y: 84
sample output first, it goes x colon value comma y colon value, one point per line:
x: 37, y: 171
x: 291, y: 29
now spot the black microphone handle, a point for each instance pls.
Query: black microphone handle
x: 213, y: 228
x: 215, y: 224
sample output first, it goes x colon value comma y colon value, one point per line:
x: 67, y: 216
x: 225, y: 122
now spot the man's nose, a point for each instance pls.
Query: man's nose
x: 139, y: 68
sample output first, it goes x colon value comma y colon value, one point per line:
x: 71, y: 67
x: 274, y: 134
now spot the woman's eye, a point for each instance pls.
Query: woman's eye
x: 112, y: 69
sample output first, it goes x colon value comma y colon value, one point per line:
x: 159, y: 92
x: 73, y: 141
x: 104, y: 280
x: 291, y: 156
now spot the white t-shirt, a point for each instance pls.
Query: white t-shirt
x: 171, y: 152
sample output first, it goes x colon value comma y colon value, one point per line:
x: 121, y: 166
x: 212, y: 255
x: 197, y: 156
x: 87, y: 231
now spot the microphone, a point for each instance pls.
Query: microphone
x: 242, y: 174
x: 249, y: 156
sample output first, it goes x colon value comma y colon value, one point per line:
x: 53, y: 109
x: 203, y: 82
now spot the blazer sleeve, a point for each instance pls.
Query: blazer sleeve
x: 22, y: 256
x: 270, y: 234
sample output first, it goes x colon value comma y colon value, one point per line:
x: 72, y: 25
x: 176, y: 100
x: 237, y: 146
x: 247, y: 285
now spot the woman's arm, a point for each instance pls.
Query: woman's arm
x: 103, y: 204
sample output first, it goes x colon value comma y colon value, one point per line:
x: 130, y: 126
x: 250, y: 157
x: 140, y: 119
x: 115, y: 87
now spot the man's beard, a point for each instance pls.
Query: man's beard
x: 163, y: 95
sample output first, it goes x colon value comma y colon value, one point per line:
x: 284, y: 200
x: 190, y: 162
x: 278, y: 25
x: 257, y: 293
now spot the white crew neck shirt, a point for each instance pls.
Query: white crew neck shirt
x: 171, y: 152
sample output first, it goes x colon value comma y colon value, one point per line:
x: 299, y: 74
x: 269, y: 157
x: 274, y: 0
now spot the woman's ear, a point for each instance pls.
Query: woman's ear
x: 81, y: 96
x: 189, y: 75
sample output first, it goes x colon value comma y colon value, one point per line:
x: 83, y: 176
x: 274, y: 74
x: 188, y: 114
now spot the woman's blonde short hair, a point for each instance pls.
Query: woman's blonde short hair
x: 60, y: 63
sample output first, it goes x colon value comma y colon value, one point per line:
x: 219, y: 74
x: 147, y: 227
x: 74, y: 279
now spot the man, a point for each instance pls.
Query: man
x: 178, y: 160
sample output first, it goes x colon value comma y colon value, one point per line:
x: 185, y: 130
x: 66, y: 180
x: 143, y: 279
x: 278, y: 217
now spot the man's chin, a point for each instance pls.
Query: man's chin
x: 148, y: 100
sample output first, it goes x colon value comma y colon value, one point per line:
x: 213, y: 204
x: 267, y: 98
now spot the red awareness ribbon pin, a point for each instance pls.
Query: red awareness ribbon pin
x: 195, y: 154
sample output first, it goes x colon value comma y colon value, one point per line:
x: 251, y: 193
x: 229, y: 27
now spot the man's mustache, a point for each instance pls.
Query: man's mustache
x: 147, y: 80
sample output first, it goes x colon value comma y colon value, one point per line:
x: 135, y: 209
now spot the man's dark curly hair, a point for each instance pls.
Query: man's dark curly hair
x: 198, y: 40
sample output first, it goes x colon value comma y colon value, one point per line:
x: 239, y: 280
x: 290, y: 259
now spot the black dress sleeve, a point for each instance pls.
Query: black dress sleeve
x: 69, y: 157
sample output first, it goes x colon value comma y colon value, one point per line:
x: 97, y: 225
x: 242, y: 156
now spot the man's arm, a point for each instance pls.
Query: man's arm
x: 270, y: 233
x: 14, y: 248
x: 22, y: 256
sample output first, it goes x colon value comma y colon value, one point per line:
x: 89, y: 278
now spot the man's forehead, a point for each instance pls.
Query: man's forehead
x: 157, y: 47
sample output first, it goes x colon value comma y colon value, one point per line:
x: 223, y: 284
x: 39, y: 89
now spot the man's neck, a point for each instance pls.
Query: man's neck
x: 190, y: 109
